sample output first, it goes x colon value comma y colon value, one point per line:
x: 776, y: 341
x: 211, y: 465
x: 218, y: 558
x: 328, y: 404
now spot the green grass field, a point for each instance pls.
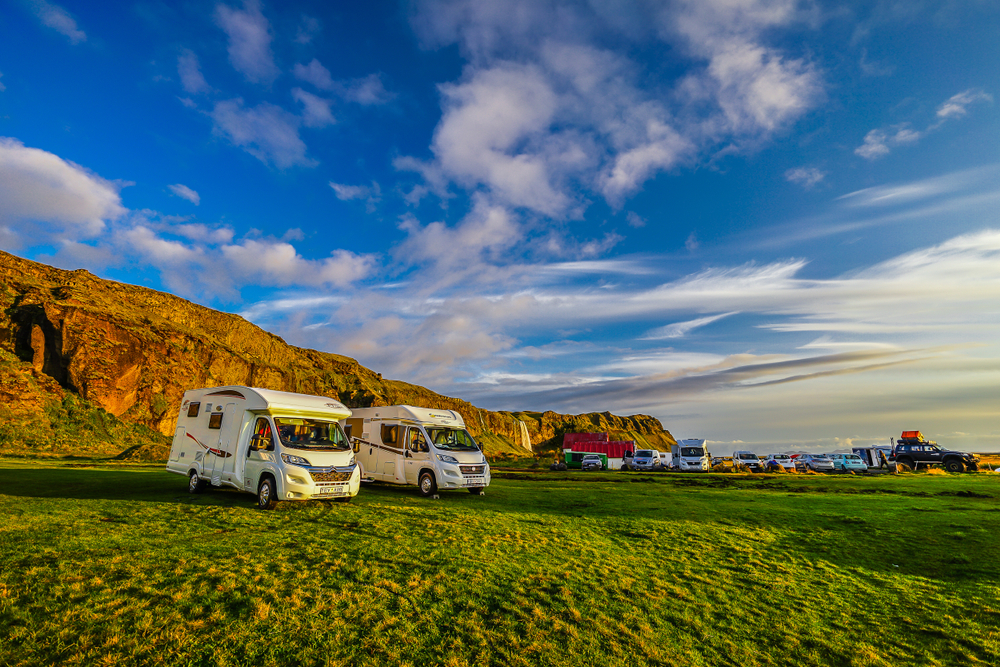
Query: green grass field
x: 119, y: 565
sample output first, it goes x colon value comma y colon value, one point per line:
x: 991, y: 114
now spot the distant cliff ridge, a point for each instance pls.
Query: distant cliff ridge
x: 132, y: 352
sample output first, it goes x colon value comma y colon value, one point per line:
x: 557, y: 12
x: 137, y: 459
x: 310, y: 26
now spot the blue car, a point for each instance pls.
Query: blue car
x: 848, y: 463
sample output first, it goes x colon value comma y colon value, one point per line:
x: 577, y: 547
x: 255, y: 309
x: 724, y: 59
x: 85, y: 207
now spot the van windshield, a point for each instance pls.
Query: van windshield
x: 692, y: 451
x: 452, y: 439
x: 747, y: 456
x: 311, y: 434
x: 644, y: 453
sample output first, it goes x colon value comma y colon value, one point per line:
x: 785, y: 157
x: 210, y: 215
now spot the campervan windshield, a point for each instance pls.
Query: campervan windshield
x: 453, y: 439
x: 311, y: 434
x: 692, y: 451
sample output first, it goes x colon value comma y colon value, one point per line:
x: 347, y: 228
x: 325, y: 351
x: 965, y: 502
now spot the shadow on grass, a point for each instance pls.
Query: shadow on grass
x: 139, y: 485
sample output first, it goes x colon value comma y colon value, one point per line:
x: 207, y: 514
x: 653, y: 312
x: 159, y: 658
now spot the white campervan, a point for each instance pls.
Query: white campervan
x: 690, y: 455
x: 431, y: 449
x: 279, y: 445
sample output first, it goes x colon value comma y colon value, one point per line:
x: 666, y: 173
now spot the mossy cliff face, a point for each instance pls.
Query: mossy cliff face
x: 133, y: 351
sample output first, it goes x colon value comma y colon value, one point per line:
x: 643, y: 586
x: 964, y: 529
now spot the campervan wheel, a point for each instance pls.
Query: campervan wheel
x: 428, y: 486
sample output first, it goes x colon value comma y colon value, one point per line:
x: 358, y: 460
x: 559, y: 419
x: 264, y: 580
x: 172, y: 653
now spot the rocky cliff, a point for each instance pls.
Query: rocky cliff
x: 127, y: 353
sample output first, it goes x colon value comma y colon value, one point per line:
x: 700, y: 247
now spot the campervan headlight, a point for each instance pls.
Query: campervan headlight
x: 444, y: 458
x: 294, y: 460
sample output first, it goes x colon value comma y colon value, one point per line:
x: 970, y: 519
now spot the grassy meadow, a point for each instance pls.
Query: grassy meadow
x: 115, y: 564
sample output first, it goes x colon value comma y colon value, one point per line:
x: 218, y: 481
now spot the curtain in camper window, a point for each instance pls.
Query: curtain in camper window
x: 390, y: 434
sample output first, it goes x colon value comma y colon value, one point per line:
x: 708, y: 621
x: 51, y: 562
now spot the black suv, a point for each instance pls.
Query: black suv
x: 914, y: 453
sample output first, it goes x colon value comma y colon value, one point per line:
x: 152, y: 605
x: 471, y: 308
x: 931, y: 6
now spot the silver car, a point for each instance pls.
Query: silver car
x: 646, y: 459
x: 817, y: 462
x: 592, y: 462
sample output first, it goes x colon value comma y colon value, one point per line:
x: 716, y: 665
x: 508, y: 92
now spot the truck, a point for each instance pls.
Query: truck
x: 690, y: 455
x: 913, y: 450
x: 276, y: 444
x: 422, y: 447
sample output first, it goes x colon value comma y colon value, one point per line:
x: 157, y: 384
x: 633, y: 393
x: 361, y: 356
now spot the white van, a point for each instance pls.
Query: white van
x: 279, y: 445
x: 431, y: 449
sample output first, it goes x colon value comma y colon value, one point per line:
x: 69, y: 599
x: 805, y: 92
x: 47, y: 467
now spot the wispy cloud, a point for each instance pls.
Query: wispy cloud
x: 60, y: 20
x: 681, y: 329
x: 249, y: 35
x: 184, y: 192
x: 880, y: 141
x: 807, y: 177
x: 266, y: 131
x: 189, y: 71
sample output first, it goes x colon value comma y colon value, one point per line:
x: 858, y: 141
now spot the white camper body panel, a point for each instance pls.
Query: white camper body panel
x: 394, y: 444
x: 215, y: 440
x: 690, y: 463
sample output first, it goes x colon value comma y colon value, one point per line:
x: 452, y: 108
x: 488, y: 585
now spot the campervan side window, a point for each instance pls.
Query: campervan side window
x: 390, y: 434
x: 215, y: 421
x: 193, y: 409
x: 347, y: 430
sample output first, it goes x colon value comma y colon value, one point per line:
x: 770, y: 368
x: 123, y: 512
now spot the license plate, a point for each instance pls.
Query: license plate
x: 330, y: 491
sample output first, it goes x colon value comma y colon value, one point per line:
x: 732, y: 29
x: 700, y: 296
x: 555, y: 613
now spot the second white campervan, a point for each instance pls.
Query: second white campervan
x: 276, y: 444
x: 430, y: 449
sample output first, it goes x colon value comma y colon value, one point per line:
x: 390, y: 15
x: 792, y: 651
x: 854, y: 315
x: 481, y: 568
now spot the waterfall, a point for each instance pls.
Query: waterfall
x: 525, y: 438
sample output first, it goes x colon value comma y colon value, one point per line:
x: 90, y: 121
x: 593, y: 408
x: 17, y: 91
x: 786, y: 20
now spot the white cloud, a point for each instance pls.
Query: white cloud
x: 486, y: 230
x: 371, y: 194
x: 485, y: 120
x: 45, y: 199
x: 184, y: 192
x: 956, y: 105
x: 57, y: 18
x: 546, y: 104
x: 266, y: 131
x: 249, y: 41
x: 807, y: 177
x: 190, y: 73
x: 681, y: 329
x: 316, y: 110
x: 315, y: 74
x: 2, y: 87
x: 874, y: 146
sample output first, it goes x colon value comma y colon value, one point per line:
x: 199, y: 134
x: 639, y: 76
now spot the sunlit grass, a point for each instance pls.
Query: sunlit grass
x: 115, y: 566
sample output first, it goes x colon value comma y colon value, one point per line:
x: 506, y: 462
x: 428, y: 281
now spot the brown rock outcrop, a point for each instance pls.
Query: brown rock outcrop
x: 134, y: 351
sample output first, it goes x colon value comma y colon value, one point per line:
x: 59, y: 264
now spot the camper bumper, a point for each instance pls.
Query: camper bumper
x: 304, y: 483
x: 464, y: 476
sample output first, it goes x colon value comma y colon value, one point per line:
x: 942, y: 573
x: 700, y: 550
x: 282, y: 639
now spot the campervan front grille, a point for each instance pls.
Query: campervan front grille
x: 472, y: 470
x: 332, y: 476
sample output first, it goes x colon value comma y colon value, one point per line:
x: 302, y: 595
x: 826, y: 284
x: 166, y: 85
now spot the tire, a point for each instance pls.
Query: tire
x: 195, y: 483
x: 266, y: 494
x: 954, y: 465
x: 427, y: 484
x: 905, y: 462
x: 477, y: 491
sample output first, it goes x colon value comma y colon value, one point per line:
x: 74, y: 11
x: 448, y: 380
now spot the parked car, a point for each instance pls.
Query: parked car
x: 646, y: 459
x: 748, y: 459
x: 783, y: 460
x: 591, y: 462
x: 848, y: 463
x: 817, y: 462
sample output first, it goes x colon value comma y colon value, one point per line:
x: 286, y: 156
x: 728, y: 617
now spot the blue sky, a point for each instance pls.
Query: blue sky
x: 764, y: 222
